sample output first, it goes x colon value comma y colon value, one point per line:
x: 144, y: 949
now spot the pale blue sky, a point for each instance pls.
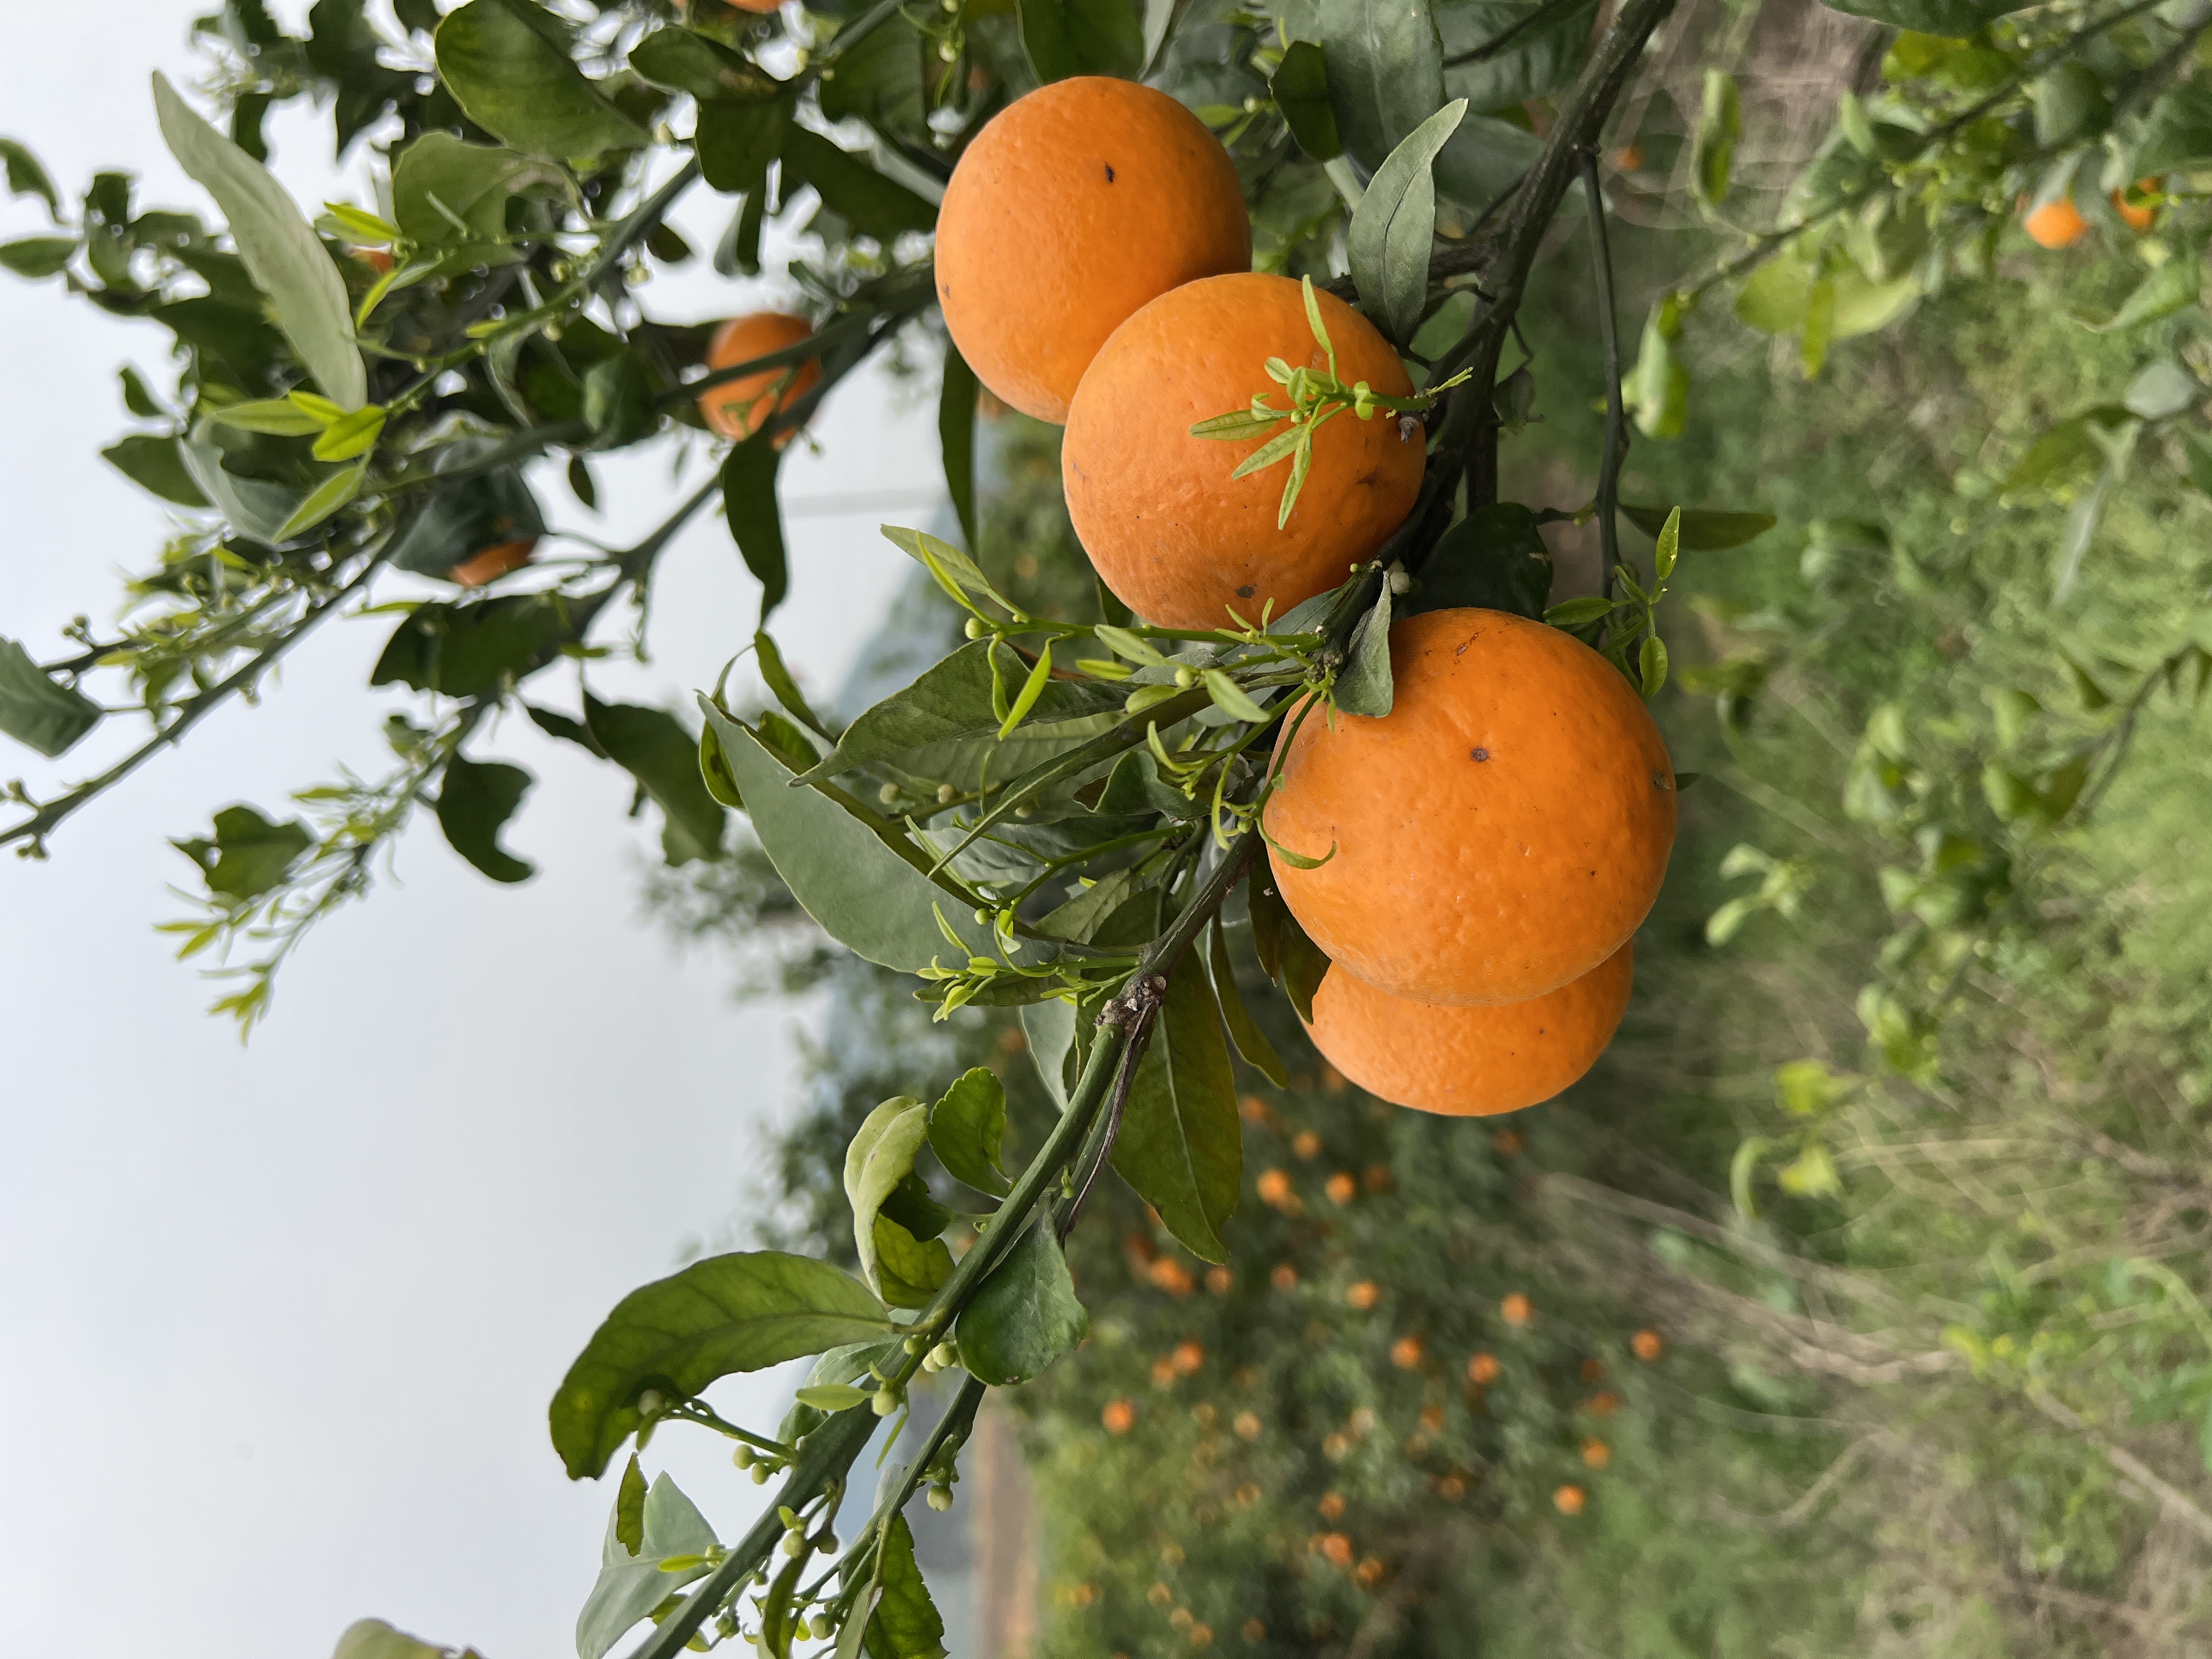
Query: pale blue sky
x: 281, y: 1321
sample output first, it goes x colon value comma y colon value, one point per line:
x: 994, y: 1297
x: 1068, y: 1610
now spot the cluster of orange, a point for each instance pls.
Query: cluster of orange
x: 1489, y: 846
x: 2060, y: 223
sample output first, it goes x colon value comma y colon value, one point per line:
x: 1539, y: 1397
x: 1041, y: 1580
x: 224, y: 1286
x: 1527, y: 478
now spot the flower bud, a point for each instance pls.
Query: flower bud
x: 882, y: 1402
x: 1186, y: 678
x: 976, y: 628
x: 940, y: 1498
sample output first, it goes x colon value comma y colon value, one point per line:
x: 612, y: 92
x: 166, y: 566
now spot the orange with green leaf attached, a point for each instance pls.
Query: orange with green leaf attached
x: 1179, y: 540
x: 1470, y: 1061
x: 737, y: 409
x: 1076, y: 205
x: 1499, y: 833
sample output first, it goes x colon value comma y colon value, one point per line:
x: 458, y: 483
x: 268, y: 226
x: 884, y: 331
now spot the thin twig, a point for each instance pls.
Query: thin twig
x: 1616, y: 416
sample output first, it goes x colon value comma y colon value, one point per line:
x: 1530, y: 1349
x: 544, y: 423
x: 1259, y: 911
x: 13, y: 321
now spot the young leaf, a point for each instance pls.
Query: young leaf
x: 155, y: 465
x: 909, y: 1270
x: 966, y: 1129
x: 1364, y: 686
x: 448, y: 194
x: 1300, y: 89
x: 653, y: 747
x: 631, y: 1583
x: 630, y: 1508
x: 726, y: 1314
x: 1395, y: 226
x: 281, y: 252
x: 956, y: 572
x: 1244, y: 1032
x: 1024, y: 1316
x: 955, y: 437
x: 1669, y: 544
x: 1651, y: 664
x: 756, y: 523
x: 1720, y: 125
x: 36, y: 711
x: 905, y: 1623
x: 475, y: 800
x: 832, y: 1396
x: 351, y: 435
x: 1180, y: 1146
x: 1231, y: 698
x: 327, y: 497
x: 249, y: 855
x: 880, y: 1157
x: 1033, y: 686
x: 25, y: 177
x: 499, y: 59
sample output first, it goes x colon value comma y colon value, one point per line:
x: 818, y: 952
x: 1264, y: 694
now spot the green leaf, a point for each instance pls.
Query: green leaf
x: 2164, y: 388
x: 910, y: 1271
x: 685, y: 61
x: 1231, y: 698
x: 1811, y: 1174
x: 880, y: 1157
x: 841, y: 869
x: 1494, y: 559
x: 326, y: 498
x: 956, y: 436
x: 1300, y: 89
x: 1033, y: 685
x: 1482, y: 160
x: 755, y: 522
x: 25, y: 177
x: 249, y: 855
x: 1286, y: 954
x: 656, y: 748
x: 1364, y: 686
x: 1703, y: 529
x: 1385, y: 66
x: 474, y: 801
x: 471, y: 650
x: 1180, y: 1146
x: 351, y: 435
x: 1537, y: 62
x: 448, y: 193
x: 1720, y: 125
x: 1669, y: 546
x: 966, y: 1128
x: 726, y: 1314
x: 282, y: 253
x: 2179, y: 131
x: 736, y: 139
x: 883, y: 78
x: 373, y: 1639
x: 1578, y: 613
x: 2060, y: 456
x: 156, y: 464
x: 1652, y: 665
x: 1244, y: 1032
x: 35, y: 257
x: 906, y: 1624
x: 1658, y: 388
x: 630, y: 1508
x: 506, y: 66
x: 1820, y: 327
x: 1025, y: 1315
x: 631, y: 1583
x: 2173, y: 285
x: 464, y: 517
x: 1064, y: 37
x: 956, y: 572
x: 850, y: 188
x: 278, y: 418
x: 1393, y: 227
x: 779, y: 682
x: 1952, y: 20
x: 1772, y: 299
x: 832, y: 1396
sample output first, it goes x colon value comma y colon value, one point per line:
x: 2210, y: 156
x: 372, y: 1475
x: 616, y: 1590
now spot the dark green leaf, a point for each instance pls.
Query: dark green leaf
x: 2070, y: 102
x: 629, y: 1509
x: 1180, y: 1146
x: 249, y: 855
x: 724, y: 1314
x: 755, y: 522
x: 1286, y: 954
x: 252, y: 508
x: 281, y: 250
x: 2179, y: 131
x: 465, y: 517
x: 839, y: 868
x: 446, y: 193
x: 966, y: 1129
x: 1394, y: 227
x: 1385, y: 67
x: 1244, y: 1032
x: 653, y: 747
x: 1704, y: 529
x: 618, y: 394
x: 1494, y: 559
x: 37, y: 256
x: 906, y: 1624
x: 1578, y: 613
x: 2173, y: 285
x: 471, y: 650
x: 956, y: 434
x: 25, y: 177
x: 910, y: 1205
x: 684, y: 61
x: 1363, y: 686
x: 785, y: 741
x: 474, y: 802
x: 37, y: 712
x: 850, y: 188
x: 1535, y: 62
x: 1300, y: 89
x: 1024, y: 1316
x: 1065, y: 37
x: 1952, y: 20
x: 882, y: 79
x: 949, y: 704
x: 785, y: 689
x: 503, y: 63
x: 631, y: 1583
x: 1481, y: 162
x: 155, y: 465
x: 736, y: 139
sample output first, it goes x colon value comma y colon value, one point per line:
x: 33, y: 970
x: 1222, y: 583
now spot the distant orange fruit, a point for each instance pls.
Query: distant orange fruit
x: 1407, y: 1353
x: 1568, y: 1500
x: 1171, y: 1276
x: 1363, y: 1295
x: 1220, y: 1280
x: 1605, y: 1404
x: 1336, y: 1548
x: 738, y: 409
x: 1075, y: 206
x: 2056, y: 224
x: 1596, y: 1453
x: 1498, y: 834
x: 489, y: 563
x: 1119, y: 1417
x: 1187, y: 1357
x: 1284, y: 1277
x: 1331, y: 1505
x: 1516, y: 1309
x: 2137, y: 218
x: 1341, y: 1187
x: 1646, y: 1345
x: 1593, y: 1371
x: 1273, y: 1187
x: 1307, y: 1144
x: 1629, y: 158
x: 1170, y: 532
x: 1470, y: 1062
x: 1483, y: 1369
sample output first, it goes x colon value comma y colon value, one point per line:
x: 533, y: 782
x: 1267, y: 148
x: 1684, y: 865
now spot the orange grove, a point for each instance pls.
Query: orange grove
x: 738, y: 409
x: 1177, y: 539
x: 1077, y: 205
x: 1472, y: 1062
x: 489, y: 563
x: 1498, y: 834
x: 2056, y: 224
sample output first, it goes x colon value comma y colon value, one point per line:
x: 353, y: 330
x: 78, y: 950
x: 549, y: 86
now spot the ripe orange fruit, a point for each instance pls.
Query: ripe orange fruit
x: 1483, y: 1369
x: 1407, y: 1353
x: 1568, y: 1500
x: 1498, y: 834
x: 2056, y: 224
x: 1516, y: 1308
x: 1363, y: 1295
x: 489, y: 563
x: 1119, y: 1417
x: 1646, y: 1345
x: 1076, y: 205
x: 738, y: 409
x: 1470, y: 1061
x: 2137, y: 219
x: 1178, y: 540
x: 1596, y: 1453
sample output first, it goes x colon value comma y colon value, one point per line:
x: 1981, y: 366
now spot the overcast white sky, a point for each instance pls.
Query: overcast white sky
x: 280, y: 1322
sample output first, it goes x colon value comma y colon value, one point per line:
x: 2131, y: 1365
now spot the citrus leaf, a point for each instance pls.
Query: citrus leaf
x: 656, y: 748
x: 1393, y: 227
x: 500, y: 61
x: 749, y: 503
x: 1300, y: 89
x: 880, y: 1157
x: 1365, y: 686
x: 1181, y: 1146
x: 1703, y: 530
x: 956, y: 436
x: 1064, y: 37
x: 1025, y: 1315
x: 38, y: 711
x: 631, y: 1584
x: 1244, y: 1031
x: 966, y: 1128
x: 905, y: 1623
x: 726, y: 1314
x: 474, y: 801
x: 1385, y: 66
